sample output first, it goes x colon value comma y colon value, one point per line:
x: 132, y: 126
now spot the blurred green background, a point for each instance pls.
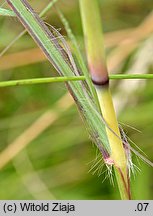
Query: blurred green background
x: 45, y: 150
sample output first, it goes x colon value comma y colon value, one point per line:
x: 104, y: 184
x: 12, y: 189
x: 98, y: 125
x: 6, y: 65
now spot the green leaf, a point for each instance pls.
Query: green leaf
x: 60, y: 56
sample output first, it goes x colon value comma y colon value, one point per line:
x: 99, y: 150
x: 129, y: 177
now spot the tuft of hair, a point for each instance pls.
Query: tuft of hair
x: 101, y: 167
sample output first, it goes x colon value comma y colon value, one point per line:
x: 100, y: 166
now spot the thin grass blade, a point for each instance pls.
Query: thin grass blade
x: 61, y: 60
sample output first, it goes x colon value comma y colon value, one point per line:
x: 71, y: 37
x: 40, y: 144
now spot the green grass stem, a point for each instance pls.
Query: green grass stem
x: 40, y: 81
x: 68, y: 79
x: 130, y: 76
x: 93, y: 34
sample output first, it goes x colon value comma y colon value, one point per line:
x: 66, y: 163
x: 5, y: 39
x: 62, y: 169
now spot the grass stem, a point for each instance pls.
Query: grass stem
x: 93, y: 35
x: 68, y: 79
x: 40, y: 81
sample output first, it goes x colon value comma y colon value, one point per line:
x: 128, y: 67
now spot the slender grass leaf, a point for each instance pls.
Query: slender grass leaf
x: 61, y: 60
